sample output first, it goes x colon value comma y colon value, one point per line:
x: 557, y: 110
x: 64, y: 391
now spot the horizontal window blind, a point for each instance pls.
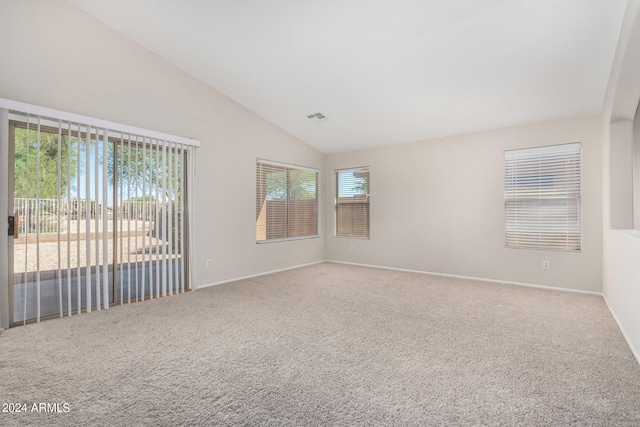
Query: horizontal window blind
x: 352, y: 202
x: 542, y: 198
x: 286, y: 201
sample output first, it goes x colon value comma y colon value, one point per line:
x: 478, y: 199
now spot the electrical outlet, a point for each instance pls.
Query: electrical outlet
x: 209, y: 263
x: 546, y: 265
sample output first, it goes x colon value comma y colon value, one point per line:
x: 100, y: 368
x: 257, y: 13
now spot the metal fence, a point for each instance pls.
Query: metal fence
x: 43, y: 215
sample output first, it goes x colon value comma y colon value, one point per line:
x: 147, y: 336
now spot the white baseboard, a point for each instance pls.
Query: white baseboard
x: 635, y: 352
x: 502, y: 282
x: 456, y: 276
x: 257, y: 275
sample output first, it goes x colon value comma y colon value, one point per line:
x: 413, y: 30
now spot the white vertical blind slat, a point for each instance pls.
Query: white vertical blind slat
x: 58, y: 217
x: 78, y: 211
x: 163, y: 203
x: 87, y: 218
x: 144, y: 218
x: 38, y: 284
x: 96, y: 216
x: 156, y: 225
x: 176, y: 218
x: 120, y: 215
x: 69, y: 304
x: 128, y: 211
x: 182, y: 218
x: 135, y: 220
x: 191, y: 170
x: 168, y: 237
x: 105, y: 220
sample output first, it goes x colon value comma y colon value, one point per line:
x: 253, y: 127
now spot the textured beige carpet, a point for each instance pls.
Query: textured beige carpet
x: 330, y: 344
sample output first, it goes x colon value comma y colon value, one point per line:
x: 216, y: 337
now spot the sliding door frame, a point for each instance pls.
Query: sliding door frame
x: 113, y: 266
x: 4, y: 213
x: 182, y: 150
x: 11, y: 209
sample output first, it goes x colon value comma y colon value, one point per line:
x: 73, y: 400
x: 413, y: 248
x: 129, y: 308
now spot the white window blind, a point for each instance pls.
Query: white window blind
x: 542, y: 198
x: 352, y: 202
x: 286, y: 201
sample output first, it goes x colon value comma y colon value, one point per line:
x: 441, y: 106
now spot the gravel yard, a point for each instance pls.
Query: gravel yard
x: 134, y: 249
x: 137, y: 244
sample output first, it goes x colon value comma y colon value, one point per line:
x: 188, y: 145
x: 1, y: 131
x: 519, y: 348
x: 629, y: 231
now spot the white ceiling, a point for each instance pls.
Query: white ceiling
x: 385, y: 71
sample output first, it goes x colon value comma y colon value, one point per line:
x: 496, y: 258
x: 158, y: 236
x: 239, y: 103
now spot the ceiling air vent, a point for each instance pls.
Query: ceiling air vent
x: 318, y: 117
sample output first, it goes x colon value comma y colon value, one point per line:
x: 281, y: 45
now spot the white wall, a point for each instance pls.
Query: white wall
x: 621, y: 246
x: 54, y: 55
x: 438, y: 206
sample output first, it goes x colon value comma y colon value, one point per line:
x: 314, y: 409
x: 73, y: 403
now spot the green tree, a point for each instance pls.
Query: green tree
x: 26, y: 164
x: 144, y: 169
x: 145, y: 176
x: 361, y: 185
x: 298, y: 184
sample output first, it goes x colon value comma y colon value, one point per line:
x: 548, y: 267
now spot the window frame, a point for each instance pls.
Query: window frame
x: 288, y: 168
x: 336, y: 174
x: 572, y: 179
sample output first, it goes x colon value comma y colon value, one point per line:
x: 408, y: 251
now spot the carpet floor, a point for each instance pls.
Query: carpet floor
x: 328, y: 344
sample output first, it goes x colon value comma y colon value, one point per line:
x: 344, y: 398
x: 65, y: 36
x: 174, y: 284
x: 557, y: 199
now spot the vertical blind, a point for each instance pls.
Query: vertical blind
x: 542, y: 198
x: 286, y: 201
x: 113, y: 228
x: 352, y: 202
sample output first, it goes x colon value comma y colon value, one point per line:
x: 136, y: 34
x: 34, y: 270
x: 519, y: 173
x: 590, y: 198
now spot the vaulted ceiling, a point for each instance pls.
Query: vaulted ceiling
x: 385, y: 71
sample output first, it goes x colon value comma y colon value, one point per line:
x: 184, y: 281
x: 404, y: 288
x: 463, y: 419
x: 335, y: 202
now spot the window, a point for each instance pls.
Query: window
x: 542, y: 198
x: 352, y: 202
x: 286, y: 202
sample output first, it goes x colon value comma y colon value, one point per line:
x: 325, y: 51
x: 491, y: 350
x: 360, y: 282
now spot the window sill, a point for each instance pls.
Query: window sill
x: 287, y: 239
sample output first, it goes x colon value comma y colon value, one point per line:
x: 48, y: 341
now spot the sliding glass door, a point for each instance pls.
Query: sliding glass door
x: 101, y: 218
